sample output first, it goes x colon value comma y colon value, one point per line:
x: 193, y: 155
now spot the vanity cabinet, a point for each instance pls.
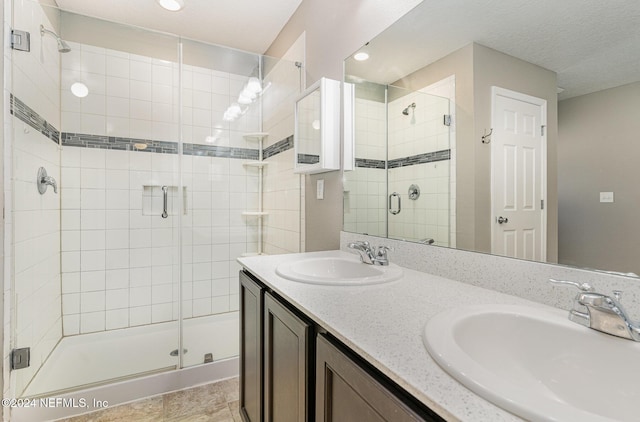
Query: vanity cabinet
x: 347, y: 392
x: 287, y: 374
x: 276, y: 369
x: 251, y: 346
x: 286, y: 364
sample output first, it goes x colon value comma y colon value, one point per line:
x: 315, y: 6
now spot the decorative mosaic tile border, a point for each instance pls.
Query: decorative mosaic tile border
x: 371, y: 164
x: 33, y: 119
x: 222, y: 152
x: 85, y: 140
x: 131, y: 144
x: 308, y: 159
x: 427, y: 157
x: 278, y: 147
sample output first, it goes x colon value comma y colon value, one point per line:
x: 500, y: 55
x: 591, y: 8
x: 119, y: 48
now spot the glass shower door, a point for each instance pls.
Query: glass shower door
x: 418, y: 167
x: 220, y: 141
x: 95, y: 256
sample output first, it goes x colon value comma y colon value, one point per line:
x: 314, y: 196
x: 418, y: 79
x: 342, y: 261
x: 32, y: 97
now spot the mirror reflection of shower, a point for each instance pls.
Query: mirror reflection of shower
x: 411, y: 106
x: 63, y: 47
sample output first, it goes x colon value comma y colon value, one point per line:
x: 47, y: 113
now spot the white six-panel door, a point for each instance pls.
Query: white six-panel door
x: 518, y: 175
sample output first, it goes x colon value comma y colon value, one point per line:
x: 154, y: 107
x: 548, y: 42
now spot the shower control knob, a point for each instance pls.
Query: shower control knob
x: 502, y: 220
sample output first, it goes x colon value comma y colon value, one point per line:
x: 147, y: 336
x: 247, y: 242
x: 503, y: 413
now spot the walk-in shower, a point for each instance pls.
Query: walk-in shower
x: 135, y: 258
x: 401, y: 182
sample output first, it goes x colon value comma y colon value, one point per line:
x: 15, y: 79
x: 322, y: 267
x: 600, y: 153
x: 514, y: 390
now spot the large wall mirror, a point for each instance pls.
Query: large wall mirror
x: 510, y: 128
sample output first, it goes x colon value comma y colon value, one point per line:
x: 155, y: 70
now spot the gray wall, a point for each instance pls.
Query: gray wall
x: 492, y: 68
x: 598, y: 151
x: 334, y: 30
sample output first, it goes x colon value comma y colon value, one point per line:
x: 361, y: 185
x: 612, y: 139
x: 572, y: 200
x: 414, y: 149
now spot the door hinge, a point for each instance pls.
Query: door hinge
x: 20, y: 358
x: 20, y: 40
x: 446, y: 120
x: 542, y: 204
x: 542, y: 130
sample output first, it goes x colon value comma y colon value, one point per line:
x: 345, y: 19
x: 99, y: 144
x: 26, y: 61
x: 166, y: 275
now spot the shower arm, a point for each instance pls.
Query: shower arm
x: 44, y: 30
x: 63, y: 47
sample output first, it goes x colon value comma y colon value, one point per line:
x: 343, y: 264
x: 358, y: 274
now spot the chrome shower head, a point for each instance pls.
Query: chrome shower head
x: 406, y: 110
x: 63, y: 47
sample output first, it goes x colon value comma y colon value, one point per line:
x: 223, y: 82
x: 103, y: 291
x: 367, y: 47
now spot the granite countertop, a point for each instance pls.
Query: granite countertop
x: 384, y: 324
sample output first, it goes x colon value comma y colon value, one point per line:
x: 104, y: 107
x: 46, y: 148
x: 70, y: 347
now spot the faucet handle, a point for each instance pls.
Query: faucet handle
x: 381, y: 255
x: 585, y: 287
x: 382, y: 250
x: 362, y: 243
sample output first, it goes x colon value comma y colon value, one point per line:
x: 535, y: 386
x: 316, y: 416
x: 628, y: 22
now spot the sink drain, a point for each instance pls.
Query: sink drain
x: 175, y: 352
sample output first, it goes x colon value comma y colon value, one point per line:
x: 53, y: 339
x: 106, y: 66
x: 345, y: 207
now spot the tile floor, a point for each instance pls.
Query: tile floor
x: 217, y: 402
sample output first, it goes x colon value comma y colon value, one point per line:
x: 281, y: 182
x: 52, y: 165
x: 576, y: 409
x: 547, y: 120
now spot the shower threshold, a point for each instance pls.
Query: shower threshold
x: 88, y: 360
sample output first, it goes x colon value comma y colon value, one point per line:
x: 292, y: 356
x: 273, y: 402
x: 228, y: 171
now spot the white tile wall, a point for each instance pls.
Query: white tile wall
x: 422, y: 130
x: 129, y: 95
x: 371, y: 139
x: 283, y: 190
x: 365, y: 189
x: 365, y: 195
x: 119, y: 256
x: 104, y: 253
x: 32, y: 310
x: 427, y: 216
x: 446, y: 88
x: 419, y: 132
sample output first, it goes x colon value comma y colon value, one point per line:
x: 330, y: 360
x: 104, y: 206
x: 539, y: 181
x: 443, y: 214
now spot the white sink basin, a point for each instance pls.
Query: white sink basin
x: 338, y: 271
x: 536, y: 363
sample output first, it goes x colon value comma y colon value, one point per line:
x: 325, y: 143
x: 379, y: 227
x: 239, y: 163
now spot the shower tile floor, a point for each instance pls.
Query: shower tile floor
x: 216, y: 402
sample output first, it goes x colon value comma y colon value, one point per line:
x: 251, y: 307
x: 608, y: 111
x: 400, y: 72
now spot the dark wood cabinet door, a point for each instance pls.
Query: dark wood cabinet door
x: 346, y: 392
x: 251, y: 346
x: 286, y: 364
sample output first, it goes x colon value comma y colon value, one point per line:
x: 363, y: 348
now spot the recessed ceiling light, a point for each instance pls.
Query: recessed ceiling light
x: 361, y: 56
x: 79, y: 89
x: 171, y: 5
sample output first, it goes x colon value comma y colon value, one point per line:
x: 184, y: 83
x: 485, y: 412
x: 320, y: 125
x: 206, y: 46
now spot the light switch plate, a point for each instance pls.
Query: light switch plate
x: 606, y: 196
x: 320, y: 189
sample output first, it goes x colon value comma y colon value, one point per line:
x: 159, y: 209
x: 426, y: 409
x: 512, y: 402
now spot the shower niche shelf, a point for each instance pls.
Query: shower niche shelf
x: 255, y: 135
x: 260, y: 165
x: 255, y: 213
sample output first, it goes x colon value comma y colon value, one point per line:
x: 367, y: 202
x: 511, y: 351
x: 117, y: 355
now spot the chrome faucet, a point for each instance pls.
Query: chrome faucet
x: 370, y: 255
x: 601, y: 312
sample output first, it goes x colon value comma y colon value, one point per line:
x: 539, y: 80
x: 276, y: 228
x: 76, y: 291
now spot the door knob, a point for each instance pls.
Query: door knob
x: 502, y: 220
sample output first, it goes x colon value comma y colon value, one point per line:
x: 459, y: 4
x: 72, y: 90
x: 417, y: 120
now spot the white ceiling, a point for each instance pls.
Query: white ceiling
x: 249, y: 25
x: 590, y: 44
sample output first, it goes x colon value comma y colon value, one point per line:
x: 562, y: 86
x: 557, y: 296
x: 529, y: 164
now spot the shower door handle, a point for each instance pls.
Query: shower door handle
x: 165, y: 190
x: 391, y: 210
